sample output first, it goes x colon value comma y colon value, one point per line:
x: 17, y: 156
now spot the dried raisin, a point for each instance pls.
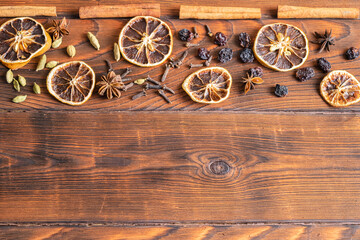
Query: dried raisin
x: 304, y: 74
x: 220, y: 39
x: 245, y: 40
x: 186, y: 35
x: 225, y: 55
x: 203, y: 53
x: 246, y: 55
x: 281, y: 91
x: 324, y: 65
x: 352, y: 53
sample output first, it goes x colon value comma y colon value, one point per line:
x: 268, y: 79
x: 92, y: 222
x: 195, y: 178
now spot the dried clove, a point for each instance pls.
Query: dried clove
x: 179, y: 62
x: 129, y: 85
x: 162, y: 94
x: 195, y: 65
x: 168, y: 89
x: 196, y: 34
x: 139, y: 95
x: 166, y: 72
x: 152, y: 86
x: 152, y: 80
x: 127, y: 71
x: 207, y: 62
x: 191, y: 44
x: 110, y: 69
x: 208, y: 31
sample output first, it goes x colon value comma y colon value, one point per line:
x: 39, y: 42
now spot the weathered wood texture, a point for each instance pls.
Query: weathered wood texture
x: 168, y: 232
x: 303, y: 96
x: 172, y: 167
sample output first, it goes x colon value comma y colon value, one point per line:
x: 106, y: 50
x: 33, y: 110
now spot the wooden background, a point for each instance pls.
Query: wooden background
x: 288, y: 168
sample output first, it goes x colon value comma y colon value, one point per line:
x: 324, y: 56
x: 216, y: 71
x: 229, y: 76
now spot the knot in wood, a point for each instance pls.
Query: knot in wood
x: 219, y: 167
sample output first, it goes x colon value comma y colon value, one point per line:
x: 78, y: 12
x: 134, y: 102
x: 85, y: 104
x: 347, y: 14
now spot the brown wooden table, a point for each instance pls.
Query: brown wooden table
x: 144, y: 169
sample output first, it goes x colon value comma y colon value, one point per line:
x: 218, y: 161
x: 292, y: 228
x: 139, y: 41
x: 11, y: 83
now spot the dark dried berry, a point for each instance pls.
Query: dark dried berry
x: 324, y: 65
x: 352, y: 53
x: 203, y: 53
x: 220, y: 39
x: 256, y: 72
x: 304, y: 74
x: 225, y: 55
x: 281, y: 91
x: 245, y: 40
x: 186, y: 35
x: 246, y: 55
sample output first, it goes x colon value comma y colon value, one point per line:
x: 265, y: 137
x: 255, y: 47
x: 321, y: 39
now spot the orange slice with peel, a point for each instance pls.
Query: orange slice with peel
x: 146, y: 41
x: 22, y: 39
x: 71, y: 83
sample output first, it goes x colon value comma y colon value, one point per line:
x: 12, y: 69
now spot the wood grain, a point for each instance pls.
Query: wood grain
x: 303, y: 96
x: 180, y: 232
x: 171, y: 167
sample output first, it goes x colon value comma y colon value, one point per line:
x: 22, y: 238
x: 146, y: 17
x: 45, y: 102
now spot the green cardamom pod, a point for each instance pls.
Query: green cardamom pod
x: 51, y: 64
x: 56, y: 43
x: 41, y: 63
x: 16, y: 85
x: 19, y: 99
x: 36, y: 88
x: 22, y: 80
x: 117, y: 54
x: 140, y: 81
x: 9, y: 76
x: 93, y: 40
x: 71, y: 51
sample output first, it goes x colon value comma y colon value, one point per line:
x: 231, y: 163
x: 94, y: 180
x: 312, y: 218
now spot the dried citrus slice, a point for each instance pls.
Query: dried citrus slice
x: 340, y: 89
x: 21, y: 39
x: 282, y: 47
x: 146, y: 41
x: 71, y: 83
x: 208, y: 85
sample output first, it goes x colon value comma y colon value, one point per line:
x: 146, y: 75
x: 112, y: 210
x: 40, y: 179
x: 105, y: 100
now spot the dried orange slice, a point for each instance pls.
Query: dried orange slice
x: 21, y: 39
x: 340, y: 89
x: 71, y: 83
x: 282, y: 47
x: 146, y: 41
x: 208, y: 85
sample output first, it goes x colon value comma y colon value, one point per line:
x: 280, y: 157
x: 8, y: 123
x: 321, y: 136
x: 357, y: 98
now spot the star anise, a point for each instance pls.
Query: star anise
x: 250, y: 82
x: 325, y: 40
x: 58, y: 29
x: 112, y: 84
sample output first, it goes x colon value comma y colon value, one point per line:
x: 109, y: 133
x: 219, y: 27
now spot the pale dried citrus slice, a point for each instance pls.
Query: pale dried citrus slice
x: 282, y: 47
x: 146, y: 41
x: 340, y: 89
x: 21, y: 39
x: 71, y: 83
x: 208, y: 85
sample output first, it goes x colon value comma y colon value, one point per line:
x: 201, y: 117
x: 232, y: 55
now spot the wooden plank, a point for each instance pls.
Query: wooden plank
x: 303, y: 96
x: 167, y: 232
x: 171, y: 167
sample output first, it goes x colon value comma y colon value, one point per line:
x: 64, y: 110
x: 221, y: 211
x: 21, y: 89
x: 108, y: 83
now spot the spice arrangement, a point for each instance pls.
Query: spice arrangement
x: 147, y: 41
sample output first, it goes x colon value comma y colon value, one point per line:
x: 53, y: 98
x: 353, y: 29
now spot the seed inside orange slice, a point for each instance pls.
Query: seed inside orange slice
x: 71, y: 83
x: 146, y: 41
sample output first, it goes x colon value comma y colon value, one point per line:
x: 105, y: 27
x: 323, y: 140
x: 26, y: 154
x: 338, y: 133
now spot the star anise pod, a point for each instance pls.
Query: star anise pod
x: 250, y: 82
x: 325, y: 40
x: 112, y: 84
x: 58, y: 29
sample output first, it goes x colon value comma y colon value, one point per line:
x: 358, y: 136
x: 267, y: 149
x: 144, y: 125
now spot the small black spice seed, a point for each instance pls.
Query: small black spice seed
x: 245, y: 40
x: 304, y: 74
x: 186, y: 35
x: 203, y: 53
x: 352, y: 53
x: 225, y: 55
x: 246, y: 55
x: 256, y: 72
x: 324, y: 65
x: 220, y: 39
x: 281, y: 91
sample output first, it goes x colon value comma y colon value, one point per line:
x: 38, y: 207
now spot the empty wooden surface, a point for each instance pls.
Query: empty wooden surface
x: 252, y: 167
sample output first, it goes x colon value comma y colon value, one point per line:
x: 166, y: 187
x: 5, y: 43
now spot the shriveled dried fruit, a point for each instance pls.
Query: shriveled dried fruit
x: 246, y: 55
x: 281, y: 91
x: 256, y: 72
x: 352, y: 53
x: 245, y: 40
x: 324, y: 65
x: 304, y: 74
x: 220, y: 39
x: 225, y: 55
x: 186, y: 35
x: 203, y: 53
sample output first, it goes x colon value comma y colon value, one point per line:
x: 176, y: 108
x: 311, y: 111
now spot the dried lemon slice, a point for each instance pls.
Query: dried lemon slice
x: 282, y: 47
x: 208, y: 85
x: 340, y: 89
x: 71, y: 83
x: 21, y: 39
x: 146, y: 41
